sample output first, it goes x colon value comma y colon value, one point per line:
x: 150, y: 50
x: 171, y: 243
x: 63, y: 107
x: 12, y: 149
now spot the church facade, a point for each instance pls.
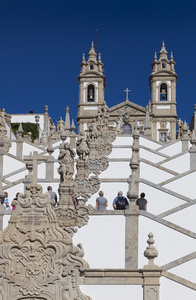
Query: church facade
x: 157, y: 120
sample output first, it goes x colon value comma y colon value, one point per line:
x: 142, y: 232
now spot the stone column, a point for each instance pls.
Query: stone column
x: 185, y: 138
x: 132, y: 213
x: 19, y: 142
x: 72, y: 135
x: 29, y: 177
x: 151, y: 272
x: 192, y: 151
x: 147, y: 124
x: 50, y: 162
x: 131, y: 236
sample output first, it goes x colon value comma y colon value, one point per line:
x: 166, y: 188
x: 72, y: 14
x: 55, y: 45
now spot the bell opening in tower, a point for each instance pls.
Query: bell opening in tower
x: 163, y: 92
x: 91, y: 93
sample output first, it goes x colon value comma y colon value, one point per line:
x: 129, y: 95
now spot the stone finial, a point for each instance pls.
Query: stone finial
x: 72, y: 127
x: 163, y: 52
x: 171, y: 57
x: 67, y: 121
x: 50, y: 148
x: 155, y: 56
x: 46, y: 108
x: 83, y: 58
x: 19, y: 132
x: 185, y: 129
x: 99, y: 59
x: 151, y: 252
x: 92, y: 55
x: 147, y: 125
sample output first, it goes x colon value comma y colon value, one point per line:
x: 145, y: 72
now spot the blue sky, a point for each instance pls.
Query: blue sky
x: 42, y: 43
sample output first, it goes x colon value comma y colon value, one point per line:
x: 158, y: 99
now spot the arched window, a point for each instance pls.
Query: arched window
x: 91, y: 93
x: 163, y: 92
x: 91, y: 66
x: 163, y: 65
x: 127, y: 129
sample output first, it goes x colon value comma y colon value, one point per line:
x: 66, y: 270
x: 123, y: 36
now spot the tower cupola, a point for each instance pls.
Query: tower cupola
x: 91, y: 88
x: 162, y: 82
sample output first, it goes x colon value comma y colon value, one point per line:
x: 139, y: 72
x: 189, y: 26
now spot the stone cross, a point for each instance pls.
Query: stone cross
x: 35, y: 158
x: 127, y: 93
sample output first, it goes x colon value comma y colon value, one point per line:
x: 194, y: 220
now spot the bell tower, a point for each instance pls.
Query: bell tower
x: 92, y: 84
x: 162, y: 82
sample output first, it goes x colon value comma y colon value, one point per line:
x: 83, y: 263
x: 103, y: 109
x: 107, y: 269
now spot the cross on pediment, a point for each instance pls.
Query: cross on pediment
x: 127, y: 93
x: 35, y: 157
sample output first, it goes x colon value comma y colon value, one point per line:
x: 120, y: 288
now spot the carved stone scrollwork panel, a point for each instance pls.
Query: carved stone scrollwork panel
x: 37, y: 257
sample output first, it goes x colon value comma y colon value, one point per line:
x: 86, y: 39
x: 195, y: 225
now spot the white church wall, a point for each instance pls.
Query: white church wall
x: 17, y: 176
x: 55, y: 154
x: 187, y: 270
x: 172, y: 149
x: 179, y: 164
x: 13, y: 149
x: 12, y: 191
x: 11, y: 165
x: 123, y: 140
x: 110, y: 192
x: 5, y: 221
x: 184, y: 218
x: 114, y: 292
x: 41, y: 170
x: 184, y: 185
x: 28, y: 118
x: 116, y: 170
x: 170, y: 244
x: 172, y: 290
x: 158, y: 201
x: 103, y: 230
x: 149, y: 144
x: 150, y: 156
x: 153, y: 174
x: 27, y: 148
x: 121, y: 153
x: 56, y: 174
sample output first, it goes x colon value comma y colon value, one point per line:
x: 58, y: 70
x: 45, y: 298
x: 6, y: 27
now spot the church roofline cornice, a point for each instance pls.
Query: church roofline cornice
x: 129, y: 104
x: 91, y: 74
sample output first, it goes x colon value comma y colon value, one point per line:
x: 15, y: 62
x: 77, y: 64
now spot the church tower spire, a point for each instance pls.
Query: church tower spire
x: 92, y: 84
x: 162, y: 82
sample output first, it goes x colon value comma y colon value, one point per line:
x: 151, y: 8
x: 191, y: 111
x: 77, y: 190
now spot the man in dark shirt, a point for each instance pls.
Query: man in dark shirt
x: 142, y: 202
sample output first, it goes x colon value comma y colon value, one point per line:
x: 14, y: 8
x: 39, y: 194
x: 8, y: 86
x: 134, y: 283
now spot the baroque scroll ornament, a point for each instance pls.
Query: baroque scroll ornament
x: 37, y: 257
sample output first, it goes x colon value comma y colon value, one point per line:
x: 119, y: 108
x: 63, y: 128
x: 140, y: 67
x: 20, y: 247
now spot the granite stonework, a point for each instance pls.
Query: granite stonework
x: 37, y: 257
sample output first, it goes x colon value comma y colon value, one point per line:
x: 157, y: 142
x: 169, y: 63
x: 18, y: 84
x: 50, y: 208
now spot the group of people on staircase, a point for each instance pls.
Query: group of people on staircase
x: 120, y: 202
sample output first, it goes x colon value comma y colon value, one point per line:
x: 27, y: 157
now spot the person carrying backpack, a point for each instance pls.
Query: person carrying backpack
x: 120, y: 202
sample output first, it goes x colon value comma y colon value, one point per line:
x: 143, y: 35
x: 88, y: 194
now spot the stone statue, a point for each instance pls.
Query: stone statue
x: 66, y: 161
x: 60, y: 125
x: 53, y: 131
x: 82, y: 146
x: 93, y: 132
x: 44, y: 137
x: 2, y: 119
x: 119, y: 124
